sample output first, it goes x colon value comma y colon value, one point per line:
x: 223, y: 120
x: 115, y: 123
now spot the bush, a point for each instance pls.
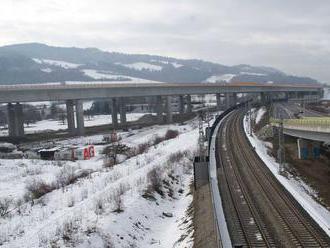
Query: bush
x: 37, y: 188
x: 70, y: 228
x: 158, y: 140
x: 155, y: 178
x: 142, y: 148
x: 66, y: 176
x: 171, y: 134
x: 99, y: 206
x: 176, y: 157
x: 5, y: 204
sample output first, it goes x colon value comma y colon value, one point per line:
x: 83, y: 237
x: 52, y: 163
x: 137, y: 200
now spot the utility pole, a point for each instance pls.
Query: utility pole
x: 281, y: 151
x: 250, y: 118
x: 201, y: 137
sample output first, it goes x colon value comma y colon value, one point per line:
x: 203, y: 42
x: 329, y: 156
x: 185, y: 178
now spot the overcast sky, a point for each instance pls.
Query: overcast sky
x: 291, y: 35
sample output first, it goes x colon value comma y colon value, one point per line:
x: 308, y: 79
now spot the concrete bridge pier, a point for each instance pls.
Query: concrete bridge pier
x: 15, y: 120
x: 263, y: 98
x: 80, y: 117
x: 233, y: 99
x: 70, y: 116
x: 159, y: 108
x: 308, y: 149
x: 218, y: 96
x: 122, y: 111
x: 169, y: 115
x: 181, y: 104
x: 189, y: 105
x: 227, y: 100
x: 114, y: 113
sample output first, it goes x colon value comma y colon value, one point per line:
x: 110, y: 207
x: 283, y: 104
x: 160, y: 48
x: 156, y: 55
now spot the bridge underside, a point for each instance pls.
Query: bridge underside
x: 163, y: 97
x: 316, y: 136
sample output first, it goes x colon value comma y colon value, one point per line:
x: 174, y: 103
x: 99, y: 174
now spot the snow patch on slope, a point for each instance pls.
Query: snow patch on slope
x: 220, y: 78
x: 326, y: 94
x: 260, y: 114
x: 143, y: 66
x: 252, y: 73
x: 101, y: 75
x: 63, y: 64
x: 175, y: 64
x: 47, y: 70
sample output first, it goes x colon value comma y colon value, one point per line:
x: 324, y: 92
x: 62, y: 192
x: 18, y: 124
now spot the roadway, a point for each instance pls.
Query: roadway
x: 287, y: 110
x: 311, y: 126
x: 259, y: 211
x: 99, y: 90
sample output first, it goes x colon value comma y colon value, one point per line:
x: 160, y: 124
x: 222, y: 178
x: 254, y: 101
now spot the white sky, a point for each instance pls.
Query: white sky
x: 291, y: 35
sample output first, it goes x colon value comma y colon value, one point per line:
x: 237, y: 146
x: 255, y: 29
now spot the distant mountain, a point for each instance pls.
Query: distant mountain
x: 39, y: 63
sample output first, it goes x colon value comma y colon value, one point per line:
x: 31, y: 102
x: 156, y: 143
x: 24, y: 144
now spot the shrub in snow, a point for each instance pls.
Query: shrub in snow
x: 70, y: 228
x: 157, y: 140
x: 5, y: 204
x: 142, y: 148
x: 70, y: 202
x: 37, y: 188
x: 111, y: 153
x: 33, y: 170
x: 155, y: 177
x: 171, y: 134
x: 84, y: 194
x: 65, y: 176
x: 176, y: 157
x: 118, y: 203
x: 7, y: 147
x: 99, y: 206
x: 108, y: 162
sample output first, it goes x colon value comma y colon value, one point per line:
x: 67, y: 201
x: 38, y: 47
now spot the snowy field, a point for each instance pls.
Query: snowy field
x: 85, y: 213
x: 300, y: 191
x: 55, y: 125
x: 220, y: 78
x: 326, y: 94
x: 103, y: 75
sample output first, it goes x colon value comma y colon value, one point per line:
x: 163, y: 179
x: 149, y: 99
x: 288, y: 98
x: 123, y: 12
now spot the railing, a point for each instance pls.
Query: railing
x: 311, y: 124
x: 305, y: 122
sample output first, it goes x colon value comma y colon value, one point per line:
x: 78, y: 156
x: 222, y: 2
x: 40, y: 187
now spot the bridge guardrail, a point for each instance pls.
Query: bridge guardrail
x: 310, y: 122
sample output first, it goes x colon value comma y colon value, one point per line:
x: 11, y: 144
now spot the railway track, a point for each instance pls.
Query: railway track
x: 260, y: 212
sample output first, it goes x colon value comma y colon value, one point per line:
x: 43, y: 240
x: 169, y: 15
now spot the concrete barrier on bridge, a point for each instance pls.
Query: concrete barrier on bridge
x: 311, y: 124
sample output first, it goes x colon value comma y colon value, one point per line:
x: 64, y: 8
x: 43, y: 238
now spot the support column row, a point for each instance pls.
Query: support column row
x: 159, y: 108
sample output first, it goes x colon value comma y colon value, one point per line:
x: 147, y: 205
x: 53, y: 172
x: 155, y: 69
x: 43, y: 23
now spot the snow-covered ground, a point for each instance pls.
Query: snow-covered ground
x: 300, y: 191
x: 219, y: 78
x: 63, y: 64
x: 143, y: 66
x: 326, y: 94
x: 98, y: 75
x: 82, y: 214
x: 260, y: 113
x: 252, y: 73
x: 55, y: 125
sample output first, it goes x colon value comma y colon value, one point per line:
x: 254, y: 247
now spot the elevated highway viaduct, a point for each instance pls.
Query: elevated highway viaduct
x: 75, y: 93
